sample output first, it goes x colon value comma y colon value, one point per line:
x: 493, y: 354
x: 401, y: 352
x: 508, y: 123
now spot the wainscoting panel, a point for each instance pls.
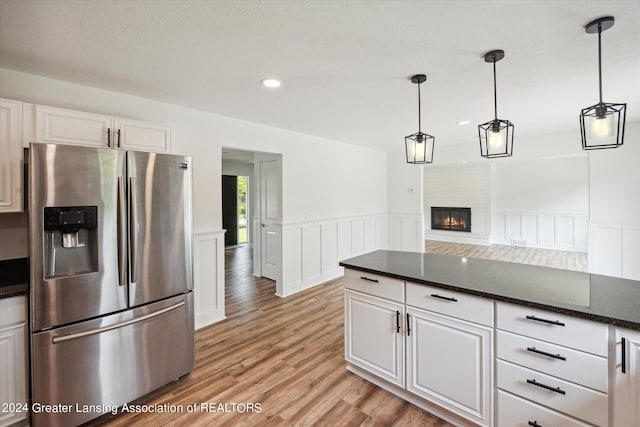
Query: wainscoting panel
x: 208, y: 266
x: 312, y: 250
x: 329, y: 242
x: 560, y: 231
x: 614, y: 250
x: 406, y: 233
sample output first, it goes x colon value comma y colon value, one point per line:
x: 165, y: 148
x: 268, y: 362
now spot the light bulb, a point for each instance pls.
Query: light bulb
x: 496, y: 141
x: 602, y: 127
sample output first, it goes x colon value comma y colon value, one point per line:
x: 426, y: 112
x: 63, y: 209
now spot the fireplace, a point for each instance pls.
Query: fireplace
x: 455, y: 219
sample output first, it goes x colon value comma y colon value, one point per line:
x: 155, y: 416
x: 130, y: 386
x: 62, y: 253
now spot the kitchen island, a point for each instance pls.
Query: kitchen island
x: 481, y: 342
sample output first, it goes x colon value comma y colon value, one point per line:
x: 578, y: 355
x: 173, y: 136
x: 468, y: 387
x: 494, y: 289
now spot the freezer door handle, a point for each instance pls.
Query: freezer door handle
x: 122, y: 234
x: 95, y: 331
x: 133, y: 218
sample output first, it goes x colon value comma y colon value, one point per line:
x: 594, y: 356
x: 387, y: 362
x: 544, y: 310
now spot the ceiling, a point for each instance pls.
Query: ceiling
x: 345, y: 65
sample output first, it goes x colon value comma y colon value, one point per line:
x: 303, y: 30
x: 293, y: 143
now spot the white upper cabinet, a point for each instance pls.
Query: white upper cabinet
x: 61, y: 126
x: 138, y: 135
x: 11, y: 156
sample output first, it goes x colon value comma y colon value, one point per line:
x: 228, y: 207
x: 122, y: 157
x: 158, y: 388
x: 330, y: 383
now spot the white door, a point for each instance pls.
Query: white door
x: 60, y: 126
x: 626, y: 394
x: 270, y: 235
x: 449, y: 363
x: 373, y: 335
x: 138, y: 135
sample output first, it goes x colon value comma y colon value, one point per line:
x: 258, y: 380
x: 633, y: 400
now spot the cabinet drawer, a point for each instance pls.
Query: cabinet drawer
x: 581, y: 402
x: 514, y: 411
x: 572, y: 365
x: 13, y: 310
x: 553, y: 327
x: 374, y: 284
x: 450, y: 303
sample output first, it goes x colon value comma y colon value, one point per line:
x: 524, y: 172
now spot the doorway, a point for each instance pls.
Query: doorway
x: 256, y: 211
x: 235, y: 210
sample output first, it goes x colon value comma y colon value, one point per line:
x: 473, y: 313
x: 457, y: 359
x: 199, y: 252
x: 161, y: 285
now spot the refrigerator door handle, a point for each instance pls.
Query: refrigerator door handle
x: 95, y: 331
x: 133, y: 218
x: 122, y: 234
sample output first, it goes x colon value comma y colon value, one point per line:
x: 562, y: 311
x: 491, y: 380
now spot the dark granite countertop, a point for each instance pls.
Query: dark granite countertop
x: 14, y: 277
x: 590, y: 296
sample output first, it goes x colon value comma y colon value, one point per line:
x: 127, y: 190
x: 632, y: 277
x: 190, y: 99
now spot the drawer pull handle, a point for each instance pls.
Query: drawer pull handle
x: 544, y: 353
x: 398, y: 321
x: 534, y: 423
x: 408, y: 324
x: 548, y: 387
x: 445, y: 298
x: 551, y: 322
x: 369, y: 280
x: 624, y: 355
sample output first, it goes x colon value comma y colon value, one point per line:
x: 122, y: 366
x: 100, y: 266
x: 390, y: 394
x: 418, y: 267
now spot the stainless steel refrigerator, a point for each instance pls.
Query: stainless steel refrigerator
x: 111, y: 301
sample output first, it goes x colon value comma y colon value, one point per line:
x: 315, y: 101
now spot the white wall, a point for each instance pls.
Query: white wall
x: 321, y: 178
x: 542, y: 202
x: 614, y: 207
x: 405, y: 207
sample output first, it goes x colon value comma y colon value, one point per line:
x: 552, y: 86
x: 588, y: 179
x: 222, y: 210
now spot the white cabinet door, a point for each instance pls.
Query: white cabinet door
x: 449, y: 362
x: 13, y: 360
x: 11, y: 157
x: 374, y: 335
x: 626, y: 392
x: 60, y: 126
x: 138, y: 135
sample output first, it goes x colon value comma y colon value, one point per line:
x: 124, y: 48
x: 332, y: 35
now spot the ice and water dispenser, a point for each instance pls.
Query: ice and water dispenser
x: 71, y: 240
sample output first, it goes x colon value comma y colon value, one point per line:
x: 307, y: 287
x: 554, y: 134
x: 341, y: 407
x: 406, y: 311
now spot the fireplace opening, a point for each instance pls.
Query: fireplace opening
x: 455, y: 219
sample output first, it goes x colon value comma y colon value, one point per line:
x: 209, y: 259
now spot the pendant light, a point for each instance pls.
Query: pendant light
x: 496, y: 136
x: 419, y: 145
x: 602, y: 124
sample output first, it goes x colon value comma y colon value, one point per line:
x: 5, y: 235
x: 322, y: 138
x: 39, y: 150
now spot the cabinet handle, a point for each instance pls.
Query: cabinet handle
x: 534, y: 423
x: 624, y: 355
x: 551, y: 322
x: 398, y: 321
x: 118, y: 138
x: 544, y: 353
x: 109, y: 137
x: 548, y: 387
x: 408, y: 324
x: 445, y: 298
x: 369, y: 280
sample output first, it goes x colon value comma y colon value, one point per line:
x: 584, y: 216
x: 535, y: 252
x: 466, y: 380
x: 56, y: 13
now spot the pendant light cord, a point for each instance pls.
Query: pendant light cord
x: 419, y: 113
x: 600, y: 61
x: 495, y: 91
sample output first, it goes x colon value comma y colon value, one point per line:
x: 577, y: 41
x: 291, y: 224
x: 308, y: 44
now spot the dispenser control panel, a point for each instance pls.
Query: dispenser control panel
x: 70, y: 219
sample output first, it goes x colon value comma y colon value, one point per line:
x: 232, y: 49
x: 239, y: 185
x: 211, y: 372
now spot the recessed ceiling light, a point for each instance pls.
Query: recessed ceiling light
x: 271, y: 83
x: 463, y: 122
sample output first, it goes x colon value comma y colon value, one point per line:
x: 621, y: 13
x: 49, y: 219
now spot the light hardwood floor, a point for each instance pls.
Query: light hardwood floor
x: 567, y: 260
x: 285, y: 354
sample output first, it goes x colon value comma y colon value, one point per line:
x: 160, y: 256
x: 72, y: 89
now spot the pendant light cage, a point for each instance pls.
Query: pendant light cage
x: 496, y: 136
x: 419, y: 148
x: 419, y: 145
x: 602, y: 124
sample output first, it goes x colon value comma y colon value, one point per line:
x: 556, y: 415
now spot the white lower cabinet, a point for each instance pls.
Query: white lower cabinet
x: 435, y: 357
x: 551, y: 369
x: 373, y: 335
x: 626, y: 390
x: 13, y: 361
x: 449, y: 362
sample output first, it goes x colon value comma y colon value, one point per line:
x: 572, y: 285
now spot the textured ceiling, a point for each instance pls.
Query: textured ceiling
x: 345, y: 65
